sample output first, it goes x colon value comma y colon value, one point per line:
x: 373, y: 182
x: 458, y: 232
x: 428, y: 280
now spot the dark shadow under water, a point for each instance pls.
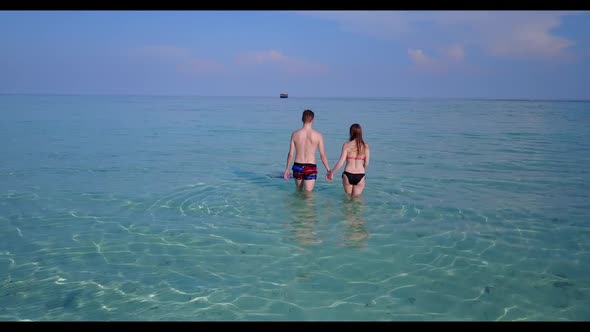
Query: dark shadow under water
x: 303, y: 217
x: 355, y: 231
x: 271, y: 180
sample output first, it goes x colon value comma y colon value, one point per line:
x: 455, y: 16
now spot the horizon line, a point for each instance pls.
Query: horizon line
x: 290, y: 97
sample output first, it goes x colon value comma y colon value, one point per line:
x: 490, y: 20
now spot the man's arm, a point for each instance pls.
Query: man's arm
x: 323, y: 154
x: 289, y: 158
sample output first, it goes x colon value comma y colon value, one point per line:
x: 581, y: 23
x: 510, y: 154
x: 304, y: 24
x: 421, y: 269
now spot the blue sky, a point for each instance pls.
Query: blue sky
x: 465, y: 54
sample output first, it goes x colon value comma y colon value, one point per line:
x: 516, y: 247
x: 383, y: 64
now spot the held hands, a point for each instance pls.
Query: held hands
x: 329, y: 176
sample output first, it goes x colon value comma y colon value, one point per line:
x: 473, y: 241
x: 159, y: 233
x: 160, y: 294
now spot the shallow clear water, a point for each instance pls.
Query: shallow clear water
x: 173, y: 208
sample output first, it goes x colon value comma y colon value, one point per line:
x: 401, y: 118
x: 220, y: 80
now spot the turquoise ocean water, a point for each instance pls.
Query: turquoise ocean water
x: 172, y: 208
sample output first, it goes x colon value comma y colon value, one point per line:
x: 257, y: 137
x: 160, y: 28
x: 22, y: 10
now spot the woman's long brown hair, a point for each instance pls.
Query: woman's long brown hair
x: 356, y: 133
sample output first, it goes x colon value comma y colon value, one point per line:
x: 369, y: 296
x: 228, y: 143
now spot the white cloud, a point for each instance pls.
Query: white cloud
x: 179, y: 58
x: 455, y: 52
x: 419, y: 57
x: 166, y: 53
x: 269, y: 56
x: 426, y: 63
x: 515, y: 34
x: 200, y: 66
x: 282, y: 62
x: 512, y: 34
x: 380, y: 24
x: 447, y: 59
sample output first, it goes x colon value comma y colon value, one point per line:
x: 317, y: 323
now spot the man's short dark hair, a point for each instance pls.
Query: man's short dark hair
x: 307, y: 116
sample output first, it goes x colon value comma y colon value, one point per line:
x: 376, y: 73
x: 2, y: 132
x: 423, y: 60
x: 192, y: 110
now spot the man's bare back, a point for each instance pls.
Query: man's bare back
x: 306, y: 142
x: 303, y: 145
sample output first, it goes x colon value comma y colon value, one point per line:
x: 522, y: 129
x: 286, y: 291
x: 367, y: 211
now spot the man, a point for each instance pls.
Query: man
x: 305, y: 142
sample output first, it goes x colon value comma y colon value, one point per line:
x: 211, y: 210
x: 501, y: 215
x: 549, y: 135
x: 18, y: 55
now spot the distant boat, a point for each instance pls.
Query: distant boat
x: 284, y: 95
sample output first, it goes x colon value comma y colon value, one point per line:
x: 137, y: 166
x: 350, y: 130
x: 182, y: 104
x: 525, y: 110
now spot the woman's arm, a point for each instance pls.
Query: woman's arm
x: 340, y: 162
x: 367, y: 156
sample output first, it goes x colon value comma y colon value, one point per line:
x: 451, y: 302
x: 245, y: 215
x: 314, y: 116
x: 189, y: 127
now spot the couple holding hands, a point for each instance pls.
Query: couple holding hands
x: 304, y: 144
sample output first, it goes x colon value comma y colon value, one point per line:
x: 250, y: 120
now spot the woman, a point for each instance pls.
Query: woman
x: 356, y: 153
